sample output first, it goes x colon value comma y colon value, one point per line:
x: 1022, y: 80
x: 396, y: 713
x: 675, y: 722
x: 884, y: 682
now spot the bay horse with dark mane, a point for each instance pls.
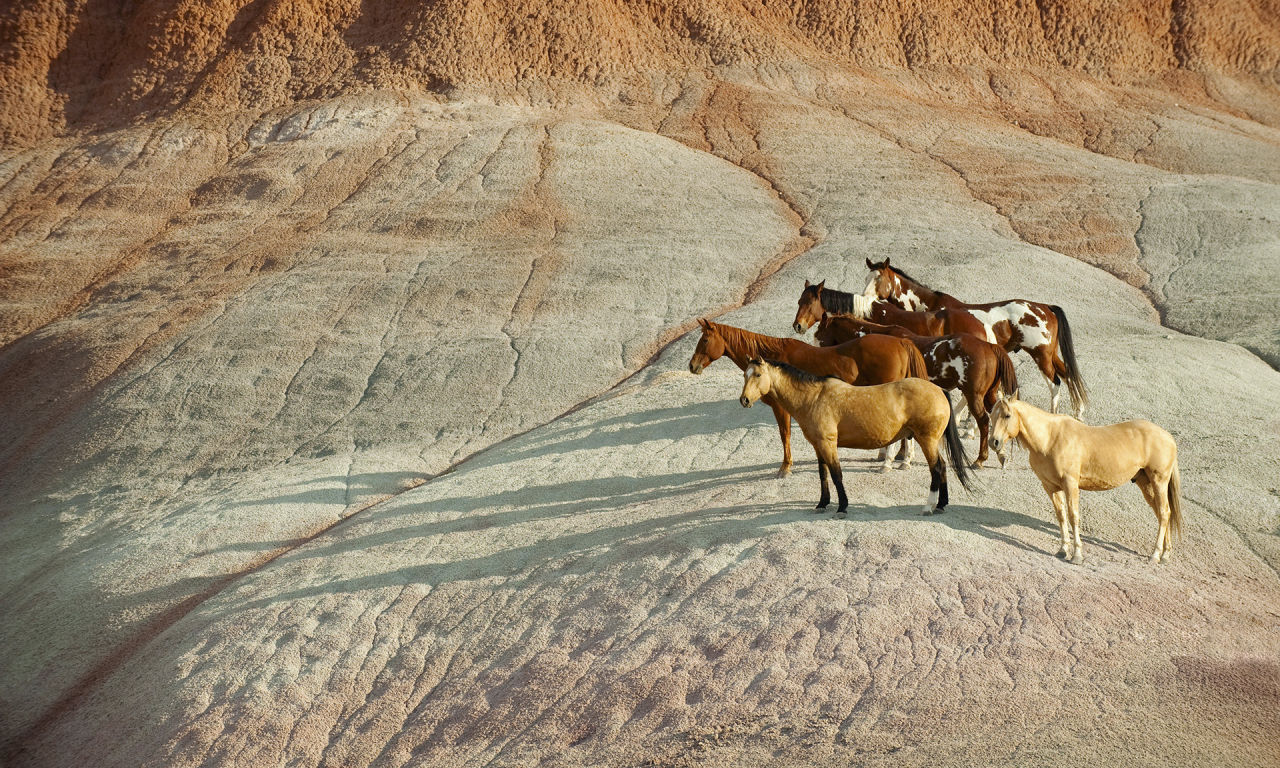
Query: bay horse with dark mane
x: 979, y: 369
x: 858, y: 361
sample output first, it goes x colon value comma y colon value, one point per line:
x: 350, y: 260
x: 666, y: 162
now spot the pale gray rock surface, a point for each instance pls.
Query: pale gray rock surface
x: 362, y: 434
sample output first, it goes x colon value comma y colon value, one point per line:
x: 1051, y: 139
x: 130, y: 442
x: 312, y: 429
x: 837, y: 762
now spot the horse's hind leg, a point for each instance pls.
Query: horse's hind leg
x: 906, y: 452
x: 1046, y: 363
x: 984, y: 425
x: 883, y: 458
x: 1157, y: 495
x: 938, y: 496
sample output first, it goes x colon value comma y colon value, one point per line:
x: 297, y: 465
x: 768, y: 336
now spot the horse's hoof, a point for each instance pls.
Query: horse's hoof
x: 926, y: 512
x: 822, y: 505
x: 842, y: 512
x: 977, y: 463
x: 883, y: 468
x: 939, y: 510
x: 903, y: 465
x: 784, y: 471
x: 1062, y: 554
x: 1078, y: 559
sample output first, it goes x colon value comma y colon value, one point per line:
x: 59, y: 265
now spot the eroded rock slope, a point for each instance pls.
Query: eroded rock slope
x: 356, y: 430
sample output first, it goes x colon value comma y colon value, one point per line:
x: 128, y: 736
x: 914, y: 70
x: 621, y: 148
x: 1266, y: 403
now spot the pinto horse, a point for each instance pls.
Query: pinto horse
x: 1069, y: 457
x: 1041, y: 330
x: 979, y: 369
x: 859, y: 361
x: 833, y: 414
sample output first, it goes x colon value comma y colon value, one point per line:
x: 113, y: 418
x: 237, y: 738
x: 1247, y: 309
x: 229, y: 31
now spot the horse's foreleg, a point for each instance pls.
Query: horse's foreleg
x: 784, y: 433
x: 1073, y: 511
x: 825, y: 498
x: 829, y: 460
x: 883, y: 458
x: 1060, y: 512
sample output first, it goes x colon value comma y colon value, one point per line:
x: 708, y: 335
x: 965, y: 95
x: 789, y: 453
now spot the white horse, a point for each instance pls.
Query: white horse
x: 1069, y: 457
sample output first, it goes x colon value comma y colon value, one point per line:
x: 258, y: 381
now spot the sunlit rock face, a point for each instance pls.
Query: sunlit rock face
x: 347, y: 417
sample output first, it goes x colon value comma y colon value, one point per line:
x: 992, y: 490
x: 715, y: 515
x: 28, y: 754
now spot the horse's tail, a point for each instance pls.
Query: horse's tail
x: 1066, y: 348
x: 1175, y: 503
x: 1006, y: 374
x: 955, y: 450
x: 915, y: 362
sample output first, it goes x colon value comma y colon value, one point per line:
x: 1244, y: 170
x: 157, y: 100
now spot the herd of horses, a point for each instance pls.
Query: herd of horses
x: 885, y: 362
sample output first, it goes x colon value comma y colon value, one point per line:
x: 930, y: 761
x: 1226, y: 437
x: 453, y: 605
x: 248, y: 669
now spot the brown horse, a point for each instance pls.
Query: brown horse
x: 833, y: 414
x: 979, y: 369
x: 816, y: 301
x: 1041, y: 330
x: 1069, y: 457
x: 859, y: 361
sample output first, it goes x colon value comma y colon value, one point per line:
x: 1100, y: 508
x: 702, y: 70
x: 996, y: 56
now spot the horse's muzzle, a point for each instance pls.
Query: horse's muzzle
x: 797, y: 327
x: 746, y: 402
x: 695, y: 368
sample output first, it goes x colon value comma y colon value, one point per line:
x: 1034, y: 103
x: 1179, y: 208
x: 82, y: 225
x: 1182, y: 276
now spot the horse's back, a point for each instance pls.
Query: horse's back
x: 876, y: 415
x: 1115, y: 453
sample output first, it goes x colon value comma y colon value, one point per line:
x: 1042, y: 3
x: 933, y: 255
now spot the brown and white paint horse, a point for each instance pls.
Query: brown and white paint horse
x: 981, y: 370
x: 1040, y: 330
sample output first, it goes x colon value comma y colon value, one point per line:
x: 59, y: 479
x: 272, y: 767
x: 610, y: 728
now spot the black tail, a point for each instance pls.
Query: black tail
x: 1075, y: 382
x: 955, y: 450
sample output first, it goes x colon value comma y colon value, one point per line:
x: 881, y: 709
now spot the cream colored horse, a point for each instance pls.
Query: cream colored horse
x: 834, y: 414
x: 1069, y: 457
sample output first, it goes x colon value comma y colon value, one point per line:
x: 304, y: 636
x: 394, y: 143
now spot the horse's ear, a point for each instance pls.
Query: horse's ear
x: 702, y: 321
x: 869, y: 264
x: 807, y: 283
x: 1014, y: 396
x: 824, y: 282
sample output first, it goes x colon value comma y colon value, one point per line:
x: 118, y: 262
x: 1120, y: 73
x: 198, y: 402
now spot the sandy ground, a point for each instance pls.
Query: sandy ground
x: 362, y: 434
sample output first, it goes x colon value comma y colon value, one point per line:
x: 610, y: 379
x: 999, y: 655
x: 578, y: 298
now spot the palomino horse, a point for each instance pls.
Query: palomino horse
x: 979, y: 369
x: 1039, y: 329
x: 856, y: 362
x: 833, y: 414
x: 1069, y: 457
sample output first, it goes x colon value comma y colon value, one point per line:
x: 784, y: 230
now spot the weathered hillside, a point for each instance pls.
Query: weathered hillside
x: 347, y: 419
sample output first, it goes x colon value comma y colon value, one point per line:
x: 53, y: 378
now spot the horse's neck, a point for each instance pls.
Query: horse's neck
x: 862, y: 305
x: 742, y: 346
x: 1035, y: 429
x: 797, y: 397
x: 926, y: 295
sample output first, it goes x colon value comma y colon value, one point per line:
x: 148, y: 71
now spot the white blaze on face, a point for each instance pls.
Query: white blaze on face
x: 871, y: 285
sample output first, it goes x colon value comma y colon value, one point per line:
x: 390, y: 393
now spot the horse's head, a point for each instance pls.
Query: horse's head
x: 755, y: 382
x: 710, y: 347
x: 1004, y: 424
x: 888, y: 284
x: 809, y: 309
x: 882, y: 282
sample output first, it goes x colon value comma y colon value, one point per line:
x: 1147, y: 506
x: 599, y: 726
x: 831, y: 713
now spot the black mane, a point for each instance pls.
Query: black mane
x: 796, y: 373
x: 836, y: 302
x: 907, y: 277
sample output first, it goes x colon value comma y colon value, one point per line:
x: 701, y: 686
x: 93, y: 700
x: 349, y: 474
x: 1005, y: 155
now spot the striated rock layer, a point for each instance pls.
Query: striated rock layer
x: 347, y: 419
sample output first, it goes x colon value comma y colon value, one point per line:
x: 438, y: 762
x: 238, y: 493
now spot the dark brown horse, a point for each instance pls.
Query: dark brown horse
x: 979, y: 369
x: 859, y: 361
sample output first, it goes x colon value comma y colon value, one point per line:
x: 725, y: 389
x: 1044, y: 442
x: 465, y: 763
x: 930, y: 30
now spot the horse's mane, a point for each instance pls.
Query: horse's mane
x: 798, y: 374
x: 907, y: 277
x: 755, y: 343
x: 836, y: 301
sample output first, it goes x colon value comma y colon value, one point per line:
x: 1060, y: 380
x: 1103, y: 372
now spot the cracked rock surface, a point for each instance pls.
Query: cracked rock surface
x: 352, y: 426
